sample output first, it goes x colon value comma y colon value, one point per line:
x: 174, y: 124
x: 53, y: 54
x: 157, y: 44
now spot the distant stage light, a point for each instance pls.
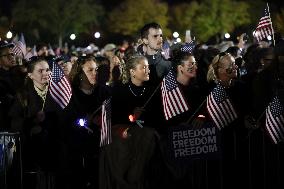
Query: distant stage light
x: 72, y: 36
x: 97, y: 35
x: 178, y: 40
x: 9, y: 35
x: 269, y: 38
x: 227, y: 35
x: 175, y: 34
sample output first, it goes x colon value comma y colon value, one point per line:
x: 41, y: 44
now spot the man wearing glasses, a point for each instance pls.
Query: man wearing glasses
x: 7, y: 88
x: 7, y: 58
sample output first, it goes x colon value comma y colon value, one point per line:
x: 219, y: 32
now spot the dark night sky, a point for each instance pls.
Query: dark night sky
x: 109, y: 4
x: 5, y: 7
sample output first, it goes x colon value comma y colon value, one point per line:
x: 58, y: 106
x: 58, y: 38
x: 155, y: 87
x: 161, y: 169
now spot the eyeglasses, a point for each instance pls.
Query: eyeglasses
x: 9, y: 54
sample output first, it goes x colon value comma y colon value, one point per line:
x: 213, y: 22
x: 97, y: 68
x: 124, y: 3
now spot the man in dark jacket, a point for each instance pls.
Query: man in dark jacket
x: 7, y: 92
x: 152, y: 37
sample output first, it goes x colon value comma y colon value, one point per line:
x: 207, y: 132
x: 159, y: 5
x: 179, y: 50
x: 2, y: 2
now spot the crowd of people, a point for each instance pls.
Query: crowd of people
x: 60, y: 153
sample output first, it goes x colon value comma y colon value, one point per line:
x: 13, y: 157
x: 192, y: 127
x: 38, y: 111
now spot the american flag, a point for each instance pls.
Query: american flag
x: 173, y: 100
x: 106, y: 123
x: 166, y: 49
x: 264, y: 27
x: 60, y: 88
x: 275, y: 120
x: 20, y: 47
x: 220, y: 107
x: 188, y: 47
x: 30, y: 53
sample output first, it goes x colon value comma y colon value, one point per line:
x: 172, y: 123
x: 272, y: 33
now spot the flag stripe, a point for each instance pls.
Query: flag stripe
x: 271, y: 128
x: 183, y: 104
x: 170, y: 111
x: 271, y: 131
x: 166, y: 106
x: 175, y: 102
x: 169, y: 106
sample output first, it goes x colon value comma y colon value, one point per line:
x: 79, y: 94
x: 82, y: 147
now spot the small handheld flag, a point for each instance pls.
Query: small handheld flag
x: 60, y: 89
x: 20, y: 47
x: 106, y: 123
x: 264, y: 27
x: 274, y: 123
x: 173, y: 100
x: 220, y: 107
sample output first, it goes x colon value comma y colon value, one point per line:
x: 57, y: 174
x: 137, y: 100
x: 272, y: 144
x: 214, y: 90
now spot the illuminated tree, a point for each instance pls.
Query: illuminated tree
x: 58, y: 17
x: 279, y: 22
x: 210, y: 17
x: 131, y: 15
x: 183, y: 16
x: 220, y: 16
x: 4, y: 26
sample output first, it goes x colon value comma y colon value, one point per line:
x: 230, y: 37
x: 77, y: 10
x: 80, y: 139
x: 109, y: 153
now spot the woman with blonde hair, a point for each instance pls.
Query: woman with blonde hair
x: 222, y: 69
x: 222, y: 74
x: 133, y: 142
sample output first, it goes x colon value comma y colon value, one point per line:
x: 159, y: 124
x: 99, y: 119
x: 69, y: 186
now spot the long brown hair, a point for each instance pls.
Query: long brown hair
x: 77, y: 72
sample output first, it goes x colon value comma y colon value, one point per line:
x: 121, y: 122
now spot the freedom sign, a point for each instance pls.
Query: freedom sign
x: 187, y: 142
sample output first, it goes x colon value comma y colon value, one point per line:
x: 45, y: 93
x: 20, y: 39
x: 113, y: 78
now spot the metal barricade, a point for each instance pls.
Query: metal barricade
x: 10, y: 159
